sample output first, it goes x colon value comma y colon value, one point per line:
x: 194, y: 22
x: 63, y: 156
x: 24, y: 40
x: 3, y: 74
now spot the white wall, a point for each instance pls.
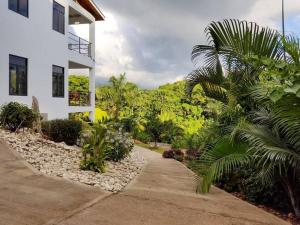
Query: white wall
x: 33, y: 38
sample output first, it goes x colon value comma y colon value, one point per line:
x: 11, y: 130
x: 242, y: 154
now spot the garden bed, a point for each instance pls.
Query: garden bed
x: 58, y: 159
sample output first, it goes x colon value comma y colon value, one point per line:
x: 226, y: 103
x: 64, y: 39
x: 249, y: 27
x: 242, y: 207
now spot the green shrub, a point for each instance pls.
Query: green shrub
x: 178, y: 143
x: 94, y: 149
x: 118, y: 144
x: 14, y: 116
x: 243, y: 181
x: 143, y: 137
x: 170, y: 132
x: 104, y: 142
x: 129, y: 124
x: 67, y: 131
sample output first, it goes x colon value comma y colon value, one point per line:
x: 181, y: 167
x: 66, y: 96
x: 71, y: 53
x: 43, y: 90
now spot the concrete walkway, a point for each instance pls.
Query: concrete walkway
x: 162, y: 194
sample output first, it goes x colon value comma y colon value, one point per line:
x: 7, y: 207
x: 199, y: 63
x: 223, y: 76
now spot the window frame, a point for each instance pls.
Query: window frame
x: 18, y: 11
x: 17, y: 93
x: 55, y: 74
x: 56, y: 27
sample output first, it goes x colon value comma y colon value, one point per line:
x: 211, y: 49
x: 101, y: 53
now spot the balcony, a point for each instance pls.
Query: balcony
x: 79, y: 98
x: 79, y: 45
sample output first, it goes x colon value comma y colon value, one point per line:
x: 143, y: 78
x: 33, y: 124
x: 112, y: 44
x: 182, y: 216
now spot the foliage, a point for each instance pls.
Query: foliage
x: 118, y: 143
x: 260, y: 93
x: 67, y: 131
x: 104, y: 141
x: 154, y: 128
x: 100, y: 116
x: 170, y: 132
x: 220, y: 158
x: 112, y: 98
x: 94, y: 149
x: 244, y: 182
x: 14, y: 116
x: 176, y: 154
x: 170, y: 101
x: 143, y: 137
x: 79, y: 83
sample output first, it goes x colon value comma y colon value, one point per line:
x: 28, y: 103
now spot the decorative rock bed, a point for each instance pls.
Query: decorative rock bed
x: 58, y: 159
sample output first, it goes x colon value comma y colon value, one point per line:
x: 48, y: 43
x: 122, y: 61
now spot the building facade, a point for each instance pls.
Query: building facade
x: 37, y: 50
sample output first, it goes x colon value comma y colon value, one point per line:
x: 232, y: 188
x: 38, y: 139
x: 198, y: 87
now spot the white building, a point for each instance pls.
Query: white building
x: 37, y: 49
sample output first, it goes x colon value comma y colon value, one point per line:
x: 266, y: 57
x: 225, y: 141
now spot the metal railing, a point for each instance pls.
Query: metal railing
x: 79, y: 45
x: 77, y: 98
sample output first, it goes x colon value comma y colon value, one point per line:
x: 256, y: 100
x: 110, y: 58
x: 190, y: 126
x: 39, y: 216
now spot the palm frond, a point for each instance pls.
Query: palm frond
x: 224, y: 157
x: 292, y: 47
x: 267, y: 147
x: 210, y: 81
x: 286, y: 117
x: 242, y: 38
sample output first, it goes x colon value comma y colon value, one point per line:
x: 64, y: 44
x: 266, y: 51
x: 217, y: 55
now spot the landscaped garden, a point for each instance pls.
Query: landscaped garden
x: 99, y: 154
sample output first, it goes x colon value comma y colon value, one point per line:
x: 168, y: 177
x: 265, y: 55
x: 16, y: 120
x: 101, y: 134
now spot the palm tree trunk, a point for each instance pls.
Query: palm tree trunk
x: 290, y: 184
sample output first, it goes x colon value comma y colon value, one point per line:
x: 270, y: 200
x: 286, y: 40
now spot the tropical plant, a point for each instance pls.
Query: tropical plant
x: 226, y: 74
x: 170, y: 99
x: 94, y: 149
x: 118, y: 143
x: 260, y: 125
x: 79, y: 83
x: 114, y: 95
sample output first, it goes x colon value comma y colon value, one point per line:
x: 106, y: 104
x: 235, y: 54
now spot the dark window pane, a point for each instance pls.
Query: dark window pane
x: 23, y: 7
x: 17, y: 76
x: 19, y: 6
x: 58, y: 17
x: 58, y: 81
x: 13, y: 5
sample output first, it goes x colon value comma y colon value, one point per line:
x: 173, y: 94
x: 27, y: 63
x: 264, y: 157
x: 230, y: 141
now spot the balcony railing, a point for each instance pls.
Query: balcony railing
x: 79, y: 45
x: 77, y: 98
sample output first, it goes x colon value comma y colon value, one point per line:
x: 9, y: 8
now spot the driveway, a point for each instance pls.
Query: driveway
x: 164, y: 193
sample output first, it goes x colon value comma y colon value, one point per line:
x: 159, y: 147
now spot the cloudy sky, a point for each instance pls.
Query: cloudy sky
x: 151, y: 40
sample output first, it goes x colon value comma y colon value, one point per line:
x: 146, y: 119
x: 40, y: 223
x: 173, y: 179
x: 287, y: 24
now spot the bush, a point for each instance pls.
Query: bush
x: 129, y: 124
x: 178, y: 143
x: 67, y: 131
x: 170, y: 132
x: 94, y: 149
x: 14, y: 116
x: 143, y: 137
x: 118, y: 144
x: 174, y: 154
x: 244, y: 182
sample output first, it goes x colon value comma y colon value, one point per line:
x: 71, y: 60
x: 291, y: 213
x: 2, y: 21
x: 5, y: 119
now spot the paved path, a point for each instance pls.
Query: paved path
x: 162, y: 195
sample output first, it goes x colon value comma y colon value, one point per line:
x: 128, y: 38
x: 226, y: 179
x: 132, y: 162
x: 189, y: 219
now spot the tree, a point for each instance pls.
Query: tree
x: 225, y: 74
x: 114, y: 95
x: 267, y: 137
x: 79, y: 83
x: 154, y: 126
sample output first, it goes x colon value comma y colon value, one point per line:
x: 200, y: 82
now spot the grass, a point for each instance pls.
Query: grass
x: 155, y: 149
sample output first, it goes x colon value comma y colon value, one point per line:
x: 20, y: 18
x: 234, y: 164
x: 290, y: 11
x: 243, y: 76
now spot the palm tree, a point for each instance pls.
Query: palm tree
x: 117, y: 94
x: 225, y: 73
x: 267, y: 137
x: 268, y: 141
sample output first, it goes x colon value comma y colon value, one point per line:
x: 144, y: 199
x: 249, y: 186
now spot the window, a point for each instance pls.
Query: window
x: 19, y: 6
x: 58, y: 18
x: 17, y: 75
x: 58, y: 82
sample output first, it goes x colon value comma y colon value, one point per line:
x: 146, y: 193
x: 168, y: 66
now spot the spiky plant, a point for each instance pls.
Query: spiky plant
x: 267, y: 136
x: 224, y: 71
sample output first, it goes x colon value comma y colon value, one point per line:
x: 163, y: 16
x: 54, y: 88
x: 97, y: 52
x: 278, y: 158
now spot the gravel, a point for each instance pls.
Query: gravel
x: 58, y: 159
